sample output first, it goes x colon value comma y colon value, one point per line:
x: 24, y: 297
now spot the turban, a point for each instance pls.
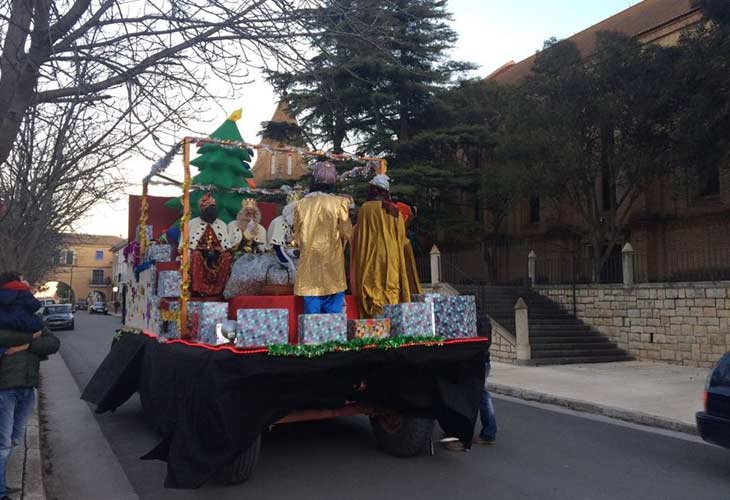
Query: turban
x: 206, y: 201
x: 382, y: 181
x: 324, y: 172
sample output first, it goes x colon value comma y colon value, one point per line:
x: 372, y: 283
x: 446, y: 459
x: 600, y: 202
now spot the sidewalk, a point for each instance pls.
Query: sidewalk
x: 655, y: 394
x: 24, y: 467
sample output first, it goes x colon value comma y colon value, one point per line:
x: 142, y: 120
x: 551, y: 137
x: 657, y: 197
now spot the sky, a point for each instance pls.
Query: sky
x: 491, y: 33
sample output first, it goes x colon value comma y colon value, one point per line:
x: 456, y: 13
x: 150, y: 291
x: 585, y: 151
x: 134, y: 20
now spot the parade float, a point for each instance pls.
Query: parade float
x: 218, y: 347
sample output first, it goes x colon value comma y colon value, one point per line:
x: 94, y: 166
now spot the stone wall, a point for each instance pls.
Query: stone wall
x: 682, y: 323
x: 503, y: 345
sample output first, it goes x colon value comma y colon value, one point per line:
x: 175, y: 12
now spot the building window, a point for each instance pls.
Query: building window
x: 288, y: 165
x: 64, y: 258
x: 97, y: 276
x: 99, y: 255
x: 534, y: 209
x: 273, y: 164
x: 711, y: 182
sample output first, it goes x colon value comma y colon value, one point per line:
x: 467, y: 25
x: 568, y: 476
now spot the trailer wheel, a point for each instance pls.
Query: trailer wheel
x: 402, y: 436
x: 242, y: 467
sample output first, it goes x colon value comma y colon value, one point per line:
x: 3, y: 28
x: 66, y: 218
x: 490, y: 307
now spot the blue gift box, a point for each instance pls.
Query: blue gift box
x: 455, y: 317
x: 168, y: 284
x: 170, y: 330
x: 262, y: 327
x: 211, y: 315
x: 320, y: 328
x: 159, y: 253
x: 413, y: 319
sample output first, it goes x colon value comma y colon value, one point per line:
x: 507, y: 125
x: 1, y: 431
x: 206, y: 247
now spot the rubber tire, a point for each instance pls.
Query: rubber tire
x: 73, y: 325
x: 240, y: 470
x: 410, y: 439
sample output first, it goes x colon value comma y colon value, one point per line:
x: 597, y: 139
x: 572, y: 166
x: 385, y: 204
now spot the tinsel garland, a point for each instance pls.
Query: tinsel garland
x: 143, y: 218
x: 184, y: 263
x: 312, y: 351
x: 126, y: 329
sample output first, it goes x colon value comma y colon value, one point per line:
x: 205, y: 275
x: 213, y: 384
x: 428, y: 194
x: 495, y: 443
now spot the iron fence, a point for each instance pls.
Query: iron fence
x: 570, y: 269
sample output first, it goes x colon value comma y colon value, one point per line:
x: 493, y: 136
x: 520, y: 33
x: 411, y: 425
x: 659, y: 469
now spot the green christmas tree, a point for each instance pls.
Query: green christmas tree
x: 222, y: 167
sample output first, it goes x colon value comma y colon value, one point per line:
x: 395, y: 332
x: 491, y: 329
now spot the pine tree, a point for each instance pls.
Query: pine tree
x: 222, y: 167
x: 377, y: 66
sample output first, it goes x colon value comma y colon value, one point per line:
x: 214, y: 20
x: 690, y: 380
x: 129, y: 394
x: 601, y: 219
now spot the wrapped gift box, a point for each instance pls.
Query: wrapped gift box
x: 148, y: 232
x: 413, y: 319
x: 211, y: 315
x: 159, y: 253
x: 455, y: 317
x: 320, y: 328
x: 371, y: 328
x: 168, y: 284
x: 169, y: 329
x: 262, y: 327
x: 147, y: 281
x: 425, y: 297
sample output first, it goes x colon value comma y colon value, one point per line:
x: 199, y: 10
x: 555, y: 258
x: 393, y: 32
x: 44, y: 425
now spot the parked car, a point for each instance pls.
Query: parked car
x: 98, y: 308
x: 714, y: 422
x: 82, y: 305
x: 59, y: 316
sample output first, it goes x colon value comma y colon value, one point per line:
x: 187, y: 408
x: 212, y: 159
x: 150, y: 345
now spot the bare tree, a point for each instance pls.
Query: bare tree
x: 65, y: 160
x: 85, y: 83
x: 159, y: 54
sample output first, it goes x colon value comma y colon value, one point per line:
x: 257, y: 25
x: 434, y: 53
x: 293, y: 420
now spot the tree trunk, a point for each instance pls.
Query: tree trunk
x: 16, y: 82
x: 339, y: 132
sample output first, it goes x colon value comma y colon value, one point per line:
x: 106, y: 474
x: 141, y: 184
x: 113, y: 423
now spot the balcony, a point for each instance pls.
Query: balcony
x: 101, y: 283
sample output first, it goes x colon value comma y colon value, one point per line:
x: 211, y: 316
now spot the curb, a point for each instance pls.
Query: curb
x: 33, y: 484
x: 636, y: 417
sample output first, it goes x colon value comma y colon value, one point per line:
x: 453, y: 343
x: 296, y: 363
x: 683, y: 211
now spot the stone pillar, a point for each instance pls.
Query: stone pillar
x: 627, y: 258
x: 531, y: 263
x: 435, y: 265
x: 522, y: 332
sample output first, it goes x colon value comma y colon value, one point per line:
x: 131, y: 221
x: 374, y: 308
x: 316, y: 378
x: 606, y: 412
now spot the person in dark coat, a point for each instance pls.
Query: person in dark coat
x: 19, y: 367
x: 18, y: 307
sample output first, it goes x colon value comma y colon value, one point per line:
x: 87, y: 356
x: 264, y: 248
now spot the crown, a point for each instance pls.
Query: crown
x: 249, y: 203
x: 293, y: 197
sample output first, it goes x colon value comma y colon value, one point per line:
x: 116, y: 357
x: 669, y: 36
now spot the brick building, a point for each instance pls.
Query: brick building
x: 85, y: 265
x: 677, y: 234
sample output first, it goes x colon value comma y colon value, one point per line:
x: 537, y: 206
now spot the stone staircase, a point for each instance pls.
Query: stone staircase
x: 556, y: 337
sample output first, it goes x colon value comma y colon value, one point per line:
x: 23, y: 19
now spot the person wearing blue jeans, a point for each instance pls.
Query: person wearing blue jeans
x: 488, y: 434
x: 16, y: 405
x: 18, y: 379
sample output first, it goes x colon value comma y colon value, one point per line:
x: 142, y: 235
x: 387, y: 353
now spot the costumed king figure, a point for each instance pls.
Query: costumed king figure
x: 246, y: 234
x: 321, y: 228
x: 210, y: 258
x: 281, y: 236
x: 384, y: 270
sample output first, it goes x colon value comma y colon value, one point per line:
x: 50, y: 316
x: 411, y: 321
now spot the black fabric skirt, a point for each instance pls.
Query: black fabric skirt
x: 209, y: 405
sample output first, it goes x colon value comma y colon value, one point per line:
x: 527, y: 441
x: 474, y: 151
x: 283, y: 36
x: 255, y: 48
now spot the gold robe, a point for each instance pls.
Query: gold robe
x: 384, y: 265
x: 321, y: 228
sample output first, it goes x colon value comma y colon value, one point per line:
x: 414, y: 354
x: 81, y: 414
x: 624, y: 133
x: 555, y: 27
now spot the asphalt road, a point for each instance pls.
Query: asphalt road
x: 542, y: 453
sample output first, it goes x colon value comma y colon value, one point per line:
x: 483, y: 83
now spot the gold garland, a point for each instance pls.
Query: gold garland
x: 170, y: 315
x: 143, y: 218
x: 184, y: 263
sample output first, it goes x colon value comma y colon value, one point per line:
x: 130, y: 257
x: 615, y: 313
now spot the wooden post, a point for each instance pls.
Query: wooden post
x: 522, y: 332
x: 143, y: 218
x: 185, y: 238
